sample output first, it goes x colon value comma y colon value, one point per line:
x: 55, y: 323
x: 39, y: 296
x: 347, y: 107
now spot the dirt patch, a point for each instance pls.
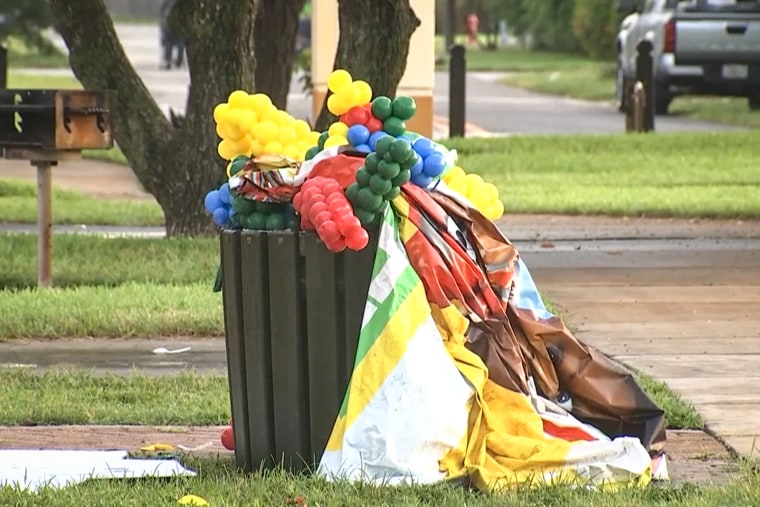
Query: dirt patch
x: 693, y: 456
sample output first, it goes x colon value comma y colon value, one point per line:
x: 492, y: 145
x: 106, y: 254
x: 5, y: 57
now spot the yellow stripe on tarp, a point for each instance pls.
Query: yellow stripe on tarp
x: 380, y: 360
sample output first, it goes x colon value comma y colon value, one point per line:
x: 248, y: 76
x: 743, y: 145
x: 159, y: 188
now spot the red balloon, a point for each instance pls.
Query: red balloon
x: 357, y: 240
x: 357, y: 115
x: 320, y: 218
x: 228, y: 438
x: 338, y: 245
x: 339, y: 209
x: 349, y: 224
x: 328, y: 232
x: 316, y: 207
x: 298, y: 201
x: 374, y: 124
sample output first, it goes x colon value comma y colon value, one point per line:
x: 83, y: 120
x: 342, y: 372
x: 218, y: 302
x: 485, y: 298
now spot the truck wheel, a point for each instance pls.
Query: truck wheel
x: 662, y: 100
x: 754, y: 101
x: 621, y: 95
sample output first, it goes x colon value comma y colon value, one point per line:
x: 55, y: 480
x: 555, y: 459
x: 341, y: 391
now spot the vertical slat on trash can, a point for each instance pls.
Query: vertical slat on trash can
x: 289, y: 355
x: 326, y: 352
x: 234, y: 337
x: 357, y: 274
x: 254, y: 273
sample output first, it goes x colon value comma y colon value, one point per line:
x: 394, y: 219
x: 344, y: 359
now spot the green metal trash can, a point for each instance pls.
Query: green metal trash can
x: 292, y: 314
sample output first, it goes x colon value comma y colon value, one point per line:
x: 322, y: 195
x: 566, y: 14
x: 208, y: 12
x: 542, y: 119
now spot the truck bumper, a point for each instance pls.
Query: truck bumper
x: 703, y: 79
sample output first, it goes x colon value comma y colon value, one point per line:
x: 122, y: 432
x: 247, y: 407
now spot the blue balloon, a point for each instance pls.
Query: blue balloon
x: 357, y: 134
x: 434, y: 165
x: 423, y: 146
x: 374, y: 137
x: 224, y: 193
x: 421, y: 180
x: 364, y: 148
x: 221, y: 216
x: 418, y: 166
x: 212, y: 201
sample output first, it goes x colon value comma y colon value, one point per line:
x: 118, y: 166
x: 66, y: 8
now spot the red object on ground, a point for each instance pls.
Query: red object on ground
x: 341, y: 168
x: 228, y: 438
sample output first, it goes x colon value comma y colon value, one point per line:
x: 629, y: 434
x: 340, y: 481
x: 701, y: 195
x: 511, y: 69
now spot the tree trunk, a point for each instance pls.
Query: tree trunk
x: 274, y: 43
x: 177, y: 166
x: 373, y: 45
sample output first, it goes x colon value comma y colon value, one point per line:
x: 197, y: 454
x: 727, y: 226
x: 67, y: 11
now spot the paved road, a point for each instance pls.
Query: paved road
x: 494, y: 107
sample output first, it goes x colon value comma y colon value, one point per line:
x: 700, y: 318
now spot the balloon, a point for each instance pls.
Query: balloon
x: 259, y: 102
x: 221, y: 216
x: 292, y: 152
x: 338, y: 79
x: 358, y: 134
x: 321, y: 140
x: 418, y: 166
x: 434, y: 165
x: 228, y: 438
x: 421, y: 180
x: 394, y: 126
x: 221, y: 113
x: 301, y: 129
x: 337, y: 140
x: 349, y: 96
x: 212, y: 201
x: 246, y: 120
x: 374, y: 124
x: 404, y: 107
x: 257, y: 148
x: 401, y: 150
x: 298, y: 201
x: 357, y: 240
x: 224, y: 194
x: 225, y: 150
x: 364, y: 90
x: 455, y: 172
x: 335, y: 106
x: 273, y: 148
x: 328, y: 231
x: 337, y: 129
x: 311, y: 152
x: 375, y: 137
x: 382, y: 108
x: 383, y: 146
x: 238, y: 99
x: 357, y: 115
x: 424, y: 146
x: 364, y: 148
x: 287, y: 135
x: 266, y: 131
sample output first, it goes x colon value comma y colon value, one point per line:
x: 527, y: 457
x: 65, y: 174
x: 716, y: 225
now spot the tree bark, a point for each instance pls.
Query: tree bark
x: 274, y: 41
x: 373, y: 45
x: 177, y: 166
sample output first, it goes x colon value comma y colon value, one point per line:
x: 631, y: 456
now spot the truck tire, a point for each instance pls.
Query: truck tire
x: 754, y: 101
x: 662, y: 100
x: 622, y: 91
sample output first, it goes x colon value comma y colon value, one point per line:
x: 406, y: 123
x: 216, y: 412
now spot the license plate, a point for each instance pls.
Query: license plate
x: 735, y: 71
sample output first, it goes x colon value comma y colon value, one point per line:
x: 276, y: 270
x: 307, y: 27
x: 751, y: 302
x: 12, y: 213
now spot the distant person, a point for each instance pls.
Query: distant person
x: 169, y: 40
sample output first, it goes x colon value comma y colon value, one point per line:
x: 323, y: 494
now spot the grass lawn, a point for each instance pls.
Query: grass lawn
x: 22, y: 56
x: 66, y: 397
x: 221, y: 485
x: 678, y: 174
x: 588, y: 79
x: 18, y: 202
x: 22, y: 80
x: 111, y: 287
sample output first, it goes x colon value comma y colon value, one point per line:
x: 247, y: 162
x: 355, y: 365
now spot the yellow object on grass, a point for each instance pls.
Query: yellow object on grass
x: 194, y: 501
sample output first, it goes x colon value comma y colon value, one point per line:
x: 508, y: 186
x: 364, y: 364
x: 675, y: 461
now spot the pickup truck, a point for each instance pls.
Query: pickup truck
x: 704, y: 47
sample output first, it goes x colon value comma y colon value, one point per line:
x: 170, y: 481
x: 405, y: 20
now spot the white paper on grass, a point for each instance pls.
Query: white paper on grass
x: 33, y: 469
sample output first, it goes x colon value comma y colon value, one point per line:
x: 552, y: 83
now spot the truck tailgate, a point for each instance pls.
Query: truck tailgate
x: 706, y: 37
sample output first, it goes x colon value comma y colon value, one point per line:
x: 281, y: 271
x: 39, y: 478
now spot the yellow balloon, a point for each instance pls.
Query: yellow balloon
x: 337, y: 128
x: 454, y: 172
x: 364, y: 90
x: 257, y: 148
x: 259, y: 102
x: 303, y: 146
x: 334, y: 105
x: 238, y: 99
x: 273, y: 148
x: 287, y: 135
x: 266, y: 131
x: 480, y: 201
x: 221, y: 112
x: 349, y: 97
x: 232, y: 126
x: 474, y: 181
x: 247, y: 120
x: 302, y: 129
x: 491, y: 191
x: 313, y: 138
x: 498, y: 211
x: 335, y: 141
x: 224, y: 149
x: 338, y: 79
x: 292, y: 151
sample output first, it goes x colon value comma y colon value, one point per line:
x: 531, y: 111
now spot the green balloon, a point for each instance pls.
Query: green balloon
x: 404, y: 107
x: 394, y: 126
x: 365, y: 217
x: 257, y: 221
x: 384, y: 145
x: 312, y: 152
x: 243, y: 206
x: 363, y: 176
x: 292, y: 223
x: 322, y: 138
x: 404, y: 176
x: 382, y: 108
x: 238, y: 164
x: 275, y: 222
x: 370, y: 163
x: 401, y: 150
x: 392, y: 193
x: 352, y: 193
x: 388, y: 170
x: 388, y: 158
x: 268, y: 207
x: 380, y: 185
x: 369, y: 200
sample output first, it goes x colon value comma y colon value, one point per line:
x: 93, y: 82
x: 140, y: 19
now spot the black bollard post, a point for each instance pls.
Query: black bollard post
x: 645, y: 74
x: 457, y: 75
x: 3, y: 66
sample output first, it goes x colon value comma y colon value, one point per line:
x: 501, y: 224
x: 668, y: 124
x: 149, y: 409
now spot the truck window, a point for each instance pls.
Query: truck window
x: 732, y: 6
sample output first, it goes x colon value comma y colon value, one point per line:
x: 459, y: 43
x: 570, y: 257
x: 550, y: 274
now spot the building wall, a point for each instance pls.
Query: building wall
x: 134, y: 8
